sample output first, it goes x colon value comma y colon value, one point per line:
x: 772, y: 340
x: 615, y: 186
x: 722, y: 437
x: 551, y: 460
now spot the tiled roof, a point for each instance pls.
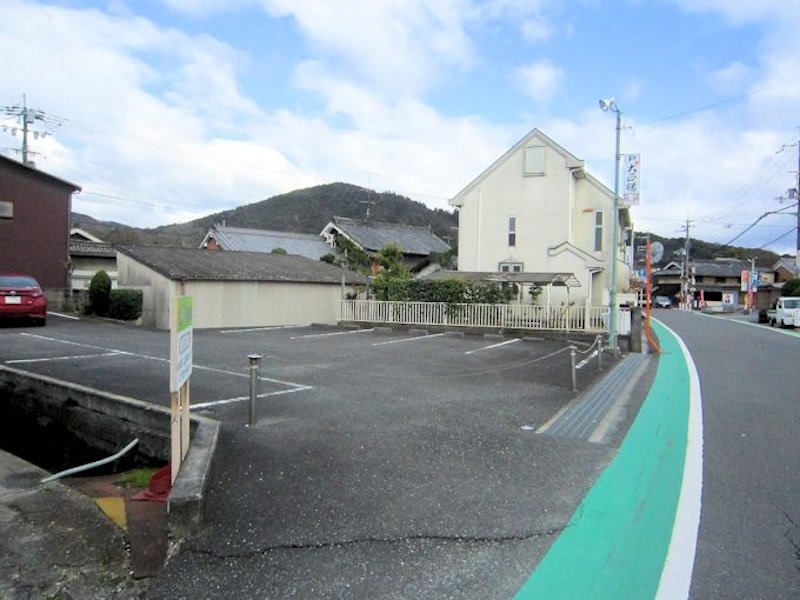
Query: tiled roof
x: 195, y: 264
x: 374, y: 235
x: 709, y: 268
x: 81, y: 248
x: 788, y: 264
x: 259, y: 240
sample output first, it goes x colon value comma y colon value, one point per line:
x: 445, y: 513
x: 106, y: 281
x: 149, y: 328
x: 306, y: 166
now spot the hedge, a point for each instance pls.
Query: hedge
x: 126, y: 305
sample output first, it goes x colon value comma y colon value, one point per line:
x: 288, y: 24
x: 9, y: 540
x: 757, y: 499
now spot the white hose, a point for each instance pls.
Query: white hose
x: 92, y: 465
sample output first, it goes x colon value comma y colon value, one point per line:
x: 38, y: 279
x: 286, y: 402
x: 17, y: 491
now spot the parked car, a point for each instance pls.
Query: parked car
x: 663, y: 302
x: 21, y: 297
x: 785, y: 312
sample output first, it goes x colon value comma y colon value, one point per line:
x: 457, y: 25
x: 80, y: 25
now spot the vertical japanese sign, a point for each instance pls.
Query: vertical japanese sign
x: 630, y: 194
x: 180, y: 359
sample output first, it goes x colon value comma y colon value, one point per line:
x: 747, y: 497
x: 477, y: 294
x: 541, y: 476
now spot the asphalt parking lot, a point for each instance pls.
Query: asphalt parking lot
x: 384, y: 464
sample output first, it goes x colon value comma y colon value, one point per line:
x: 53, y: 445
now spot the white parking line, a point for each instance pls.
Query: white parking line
x: 160, y: 359
x: 419, y: 337
x: 318, y: 335
x: 63, y: 316
x: 506, y: 343
x: 73, y: 357
x: 273, y: 328
x: 243, y: 398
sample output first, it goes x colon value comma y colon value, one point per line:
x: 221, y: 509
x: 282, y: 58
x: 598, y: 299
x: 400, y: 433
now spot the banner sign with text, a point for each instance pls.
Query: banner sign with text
x: 630, y: 195
x: 180, y: 354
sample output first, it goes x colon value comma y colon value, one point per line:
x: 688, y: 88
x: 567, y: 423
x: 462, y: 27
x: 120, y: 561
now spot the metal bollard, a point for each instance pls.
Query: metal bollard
x: 255, y: 366
x: 574, y: 375
x: 599, y: 352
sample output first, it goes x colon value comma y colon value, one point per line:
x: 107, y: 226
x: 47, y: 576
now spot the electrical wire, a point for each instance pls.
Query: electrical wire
x: 779, y: 238
x: 749, y: 227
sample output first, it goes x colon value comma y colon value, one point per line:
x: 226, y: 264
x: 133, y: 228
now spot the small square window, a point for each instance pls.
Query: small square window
x: 534, y: 160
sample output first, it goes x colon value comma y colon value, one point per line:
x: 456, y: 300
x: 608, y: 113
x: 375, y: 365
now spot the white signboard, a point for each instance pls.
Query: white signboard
x: 630, y: 195
x: 180, y: 355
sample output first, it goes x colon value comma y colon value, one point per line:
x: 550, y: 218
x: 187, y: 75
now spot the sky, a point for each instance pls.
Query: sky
x: 168, y: 110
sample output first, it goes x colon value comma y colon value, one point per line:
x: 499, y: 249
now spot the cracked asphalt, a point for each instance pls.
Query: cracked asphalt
x: 383, y: 464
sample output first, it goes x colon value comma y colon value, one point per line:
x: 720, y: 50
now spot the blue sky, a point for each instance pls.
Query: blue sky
x: 166, y: 110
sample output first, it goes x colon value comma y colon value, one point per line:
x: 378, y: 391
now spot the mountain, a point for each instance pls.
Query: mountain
x: 301, y: 211
x: 700, y: 250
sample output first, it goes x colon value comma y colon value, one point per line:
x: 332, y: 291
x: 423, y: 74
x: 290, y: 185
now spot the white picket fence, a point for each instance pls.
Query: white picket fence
x: 592, y: 319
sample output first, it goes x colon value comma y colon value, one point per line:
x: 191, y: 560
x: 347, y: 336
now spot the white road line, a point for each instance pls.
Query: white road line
x: 419, y: 337
x: 73, y: 357
x: 676, y: 578
x: 243, y: 398
x: 160, y: 359
x: 63, y: 316
x: 506, y: 343
x: 761, y: 326
x: 318, y: 335
x: 273, y: 328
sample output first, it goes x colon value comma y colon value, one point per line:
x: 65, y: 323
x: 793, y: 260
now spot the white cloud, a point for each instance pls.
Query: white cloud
x: 540, y: 80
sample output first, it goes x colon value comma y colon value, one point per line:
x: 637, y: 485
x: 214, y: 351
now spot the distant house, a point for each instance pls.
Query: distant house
x: 418, y: 244
x: 717, y: 282
x: 537, y: 210
x: 785, y: 269
x: 88, y: 255
x: 34, y: 226
x: 239, y: 239
x: 234, y: 289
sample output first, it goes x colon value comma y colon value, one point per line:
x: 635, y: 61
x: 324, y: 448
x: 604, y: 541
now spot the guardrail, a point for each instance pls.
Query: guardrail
x: 591, y: 319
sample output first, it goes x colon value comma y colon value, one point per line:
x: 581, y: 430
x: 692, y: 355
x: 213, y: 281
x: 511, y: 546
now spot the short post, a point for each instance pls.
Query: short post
x: 255, y: 366
x: 599, y: 352
x: 574, y: 375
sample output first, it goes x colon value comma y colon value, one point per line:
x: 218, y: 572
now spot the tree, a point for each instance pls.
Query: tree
x: 791, y: 287
x: 100, y: 293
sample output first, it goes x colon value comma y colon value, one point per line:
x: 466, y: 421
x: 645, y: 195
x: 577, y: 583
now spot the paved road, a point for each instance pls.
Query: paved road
x: 750, y: 520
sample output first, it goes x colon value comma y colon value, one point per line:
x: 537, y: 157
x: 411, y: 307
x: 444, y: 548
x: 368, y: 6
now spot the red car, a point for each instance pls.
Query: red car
x: 22, y: 297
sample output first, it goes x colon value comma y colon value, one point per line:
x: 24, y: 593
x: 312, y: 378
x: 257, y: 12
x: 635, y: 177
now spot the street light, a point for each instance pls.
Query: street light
x: 607, y: 104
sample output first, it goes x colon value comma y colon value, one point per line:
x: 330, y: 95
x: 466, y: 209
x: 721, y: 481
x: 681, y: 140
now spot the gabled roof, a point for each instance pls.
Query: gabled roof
x: 81, y: 235
x: 719, y: 267
x: 587, y: 258
x: 573, y: 162
x: 787, y: 264
x: 196, y: 264
x: 240, y: 239
x: 374, y: 235
x: 82, y: 248
x: 37, y: 173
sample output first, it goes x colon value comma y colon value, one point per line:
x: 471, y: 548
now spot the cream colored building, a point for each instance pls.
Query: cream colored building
x: 537, y: 210
x: 234, y: 289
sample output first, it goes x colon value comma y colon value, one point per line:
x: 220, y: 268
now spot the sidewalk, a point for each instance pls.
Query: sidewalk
x: 55, y: 542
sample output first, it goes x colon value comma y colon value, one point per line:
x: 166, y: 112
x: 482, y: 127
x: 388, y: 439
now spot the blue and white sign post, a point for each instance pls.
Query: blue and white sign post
x: 180, y: 359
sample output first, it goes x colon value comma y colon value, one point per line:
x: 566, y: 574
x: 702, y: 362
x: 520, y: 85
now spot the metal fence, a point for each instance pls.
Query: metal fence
x: 592, y: 319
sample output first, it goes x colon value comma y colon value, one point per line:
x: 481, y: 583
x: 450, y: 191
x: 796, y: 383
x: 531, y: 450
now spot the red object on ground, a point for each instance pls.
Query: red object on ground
x: 158, y: 488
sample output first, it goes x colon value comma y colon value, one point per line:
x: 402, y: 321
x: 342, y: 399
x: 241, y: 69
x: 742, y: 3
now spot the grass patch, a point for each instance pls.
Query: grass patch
x: 135, y: 478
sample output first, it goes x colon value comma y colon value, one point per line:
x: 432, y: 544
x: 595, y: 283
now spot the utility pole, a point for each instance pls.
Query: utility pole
x: 685, y: 274
x: 27, y: 117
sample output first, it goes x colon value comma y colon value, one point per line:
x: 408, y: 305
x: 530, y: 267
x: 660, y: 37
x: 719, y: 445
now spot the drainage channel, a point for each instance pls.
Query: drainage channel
x: 581, y: 418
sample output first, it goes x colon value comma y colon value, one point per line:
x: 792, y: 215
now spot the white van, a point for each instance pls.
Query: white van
x: 786, y: 312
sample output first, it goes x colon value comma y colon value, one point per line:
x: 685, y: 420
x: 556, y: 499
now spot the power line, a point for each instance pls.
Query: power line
x: 749, y: 227
x: 779, y: 238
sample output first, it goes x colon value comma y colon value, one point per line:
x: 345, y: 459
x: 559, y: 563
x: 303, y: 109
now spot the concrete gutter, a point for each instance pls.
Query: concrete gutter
x: 110, y: 421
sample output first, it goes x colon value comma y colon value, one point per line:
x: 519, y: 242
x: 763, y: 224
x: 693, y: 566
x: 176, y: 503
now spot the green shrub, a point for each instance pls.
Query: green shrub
x: 449, y: 291
x: 126, y: 305
x: 278, y: 251
x: 791, y: 288
x: 100, y: 293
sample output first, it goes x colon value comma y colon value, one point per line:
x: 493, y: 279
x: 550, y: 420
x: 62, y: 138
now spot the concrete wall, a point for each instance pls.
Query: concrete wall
x: 231, y: 303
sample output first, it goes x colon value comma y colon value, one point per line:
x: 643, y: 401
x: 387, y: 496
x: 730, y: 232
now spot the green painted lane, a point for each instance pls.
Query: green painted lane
x: 616, y: 542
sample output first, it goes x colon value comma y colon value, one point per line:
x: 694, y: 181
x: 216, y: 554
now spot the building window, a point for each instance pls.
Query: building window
x: 511, y: 267
x: 598, y: 232
x: 534, y: 161
x: 512, y: 231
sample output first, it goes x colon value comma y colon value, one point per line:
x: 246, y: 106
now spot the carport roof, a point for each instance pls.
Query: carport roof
x: 194, y: 264
x: 556, y: 279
